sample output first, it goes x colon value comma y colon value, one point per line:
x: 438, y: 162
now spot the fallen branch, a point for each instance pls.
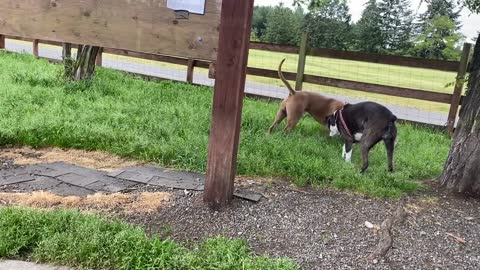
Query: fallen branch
x: 386, y: 237
x: 458, y: 239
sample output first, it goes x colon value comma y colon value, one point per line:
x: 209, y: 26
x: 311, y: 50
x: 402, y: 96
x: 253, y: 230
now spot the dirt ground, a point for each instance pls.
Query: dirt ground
x: 318, y: 228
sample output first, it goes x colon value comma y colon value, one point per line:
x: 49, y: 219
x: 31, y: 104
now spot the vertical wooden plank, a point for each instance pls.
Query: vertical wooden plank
x: 99, y: 59
x: 2, y: 42
x: 211, y: 70
x: 35, y: 47
x: 66, y: 50
x: 302, y: 57
x: 234, y: 40
x: 190, y: 67
x: 457, y: 92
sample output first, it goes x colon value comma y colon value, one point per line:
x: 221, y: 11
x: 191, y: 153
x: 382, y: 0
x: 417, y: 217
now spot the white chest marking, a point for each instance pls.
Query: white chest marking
x: 347, y: 155
x: 358, y: 136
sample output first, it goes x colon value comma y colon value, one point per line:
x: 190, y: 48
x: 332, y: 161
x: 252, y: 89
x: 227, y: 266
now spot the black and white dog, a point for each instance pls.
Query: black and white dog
x: 367, y: 123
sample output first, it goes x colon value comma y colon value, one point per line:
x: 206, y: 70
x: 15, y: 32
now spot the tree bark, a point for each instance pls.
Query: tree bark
x: 461, y: 173
x: 83, y: 67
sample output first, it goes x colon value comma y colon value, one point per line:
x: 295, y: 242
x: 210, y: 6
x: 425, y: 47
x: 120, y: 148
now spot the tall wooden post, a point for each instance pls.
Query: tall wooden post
x: 234, y: 41
x: 302, y: 57
x: 35, y: 47
x: 457, y: 92
x: 99, y: 59
x: 2, y: 42
x: 66, y: 51
x: 190, y: 68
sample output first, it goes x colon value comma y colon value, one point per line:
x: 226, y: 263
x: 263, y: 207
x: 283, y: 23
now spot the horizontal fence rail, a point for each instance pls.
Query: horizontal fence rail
x: 451, y: 66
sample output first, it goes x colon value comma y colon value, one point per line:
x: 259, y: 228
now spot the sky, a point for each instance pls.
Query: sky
x: 470, y: 22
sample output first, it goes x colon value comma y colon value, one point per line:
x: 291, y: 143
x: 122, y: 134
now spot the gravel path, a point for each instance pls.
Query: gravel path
x: 325, y: 229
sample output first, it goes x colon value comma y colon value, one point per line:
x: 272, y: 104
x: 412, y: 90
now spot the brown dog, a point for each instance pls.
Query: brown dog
x: 299, y: 102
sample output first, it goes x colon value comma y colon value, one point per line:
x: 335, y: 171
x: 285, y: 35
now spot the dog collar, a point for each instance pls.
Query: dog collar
x: 344, y: 125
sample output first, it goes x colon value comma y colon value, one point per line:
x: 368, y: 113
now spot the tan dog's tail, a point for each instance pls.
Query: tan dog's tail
x: 287, y: 84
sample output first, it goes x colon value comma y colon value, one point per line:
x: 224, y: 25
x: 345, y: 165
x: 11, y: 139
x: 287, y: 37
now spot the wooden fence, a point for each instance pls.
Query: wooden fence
x: 454, y: 99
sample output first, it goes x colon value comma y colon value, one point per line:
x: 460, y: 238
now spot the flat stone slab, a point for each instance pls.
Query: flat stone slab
x: 19, y: 265
x: 69, y: 190
x: 111, y: 185
x: 248, y: 195
x: 72, y: 180
x: 42, y: 183
x: 187, y: 184
x: 77, y: 179
x: 15, y: 179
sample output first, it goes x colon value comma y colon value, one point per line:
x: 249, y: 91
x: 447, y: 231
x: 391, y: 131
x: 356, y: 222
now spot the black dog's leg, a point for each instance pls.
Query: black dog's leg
x: 390, y: 145
x: 347, y: 150
x: 368, y: 141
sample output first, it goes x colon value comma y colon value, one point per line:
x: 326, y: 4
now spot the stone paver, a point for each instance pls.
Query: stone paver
x: 70, y: 180
x: 15, y: 179
x: 64, y: 189
x: 20, y: 265
x: 77, y: 179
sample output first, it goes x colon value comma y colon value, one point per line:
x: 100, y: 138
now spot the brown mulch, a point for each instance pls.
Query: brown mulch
x: 321, y: 228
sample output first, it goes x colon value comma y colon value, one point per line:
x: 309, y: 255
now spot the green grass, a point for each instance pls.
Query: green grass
x: 408, y: 77
x: 168, y: 123
x: 90, y: 241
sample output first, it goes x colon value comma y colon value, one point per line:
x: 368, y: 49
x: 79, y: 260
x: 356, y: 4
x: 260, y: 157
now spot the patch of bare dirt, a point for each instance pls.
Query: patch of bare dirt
x: 144, y: 202
x: 90, y: 159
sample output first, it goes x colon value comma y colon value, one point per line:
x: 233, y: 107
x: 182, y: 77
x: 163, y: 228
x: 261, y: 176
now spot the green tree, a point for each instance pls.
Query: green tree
x: 439, y: 8
x: 439, y: 40
x: 368, y: 34
x: 396, y: 26
x: 283, y: 26
x: 259, y: 21
x: 329, y: 25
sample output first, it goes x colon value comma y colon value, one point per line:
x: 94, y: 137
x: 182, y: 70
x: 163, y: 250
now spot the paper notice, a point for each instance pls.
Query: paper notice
x: 192, y: 6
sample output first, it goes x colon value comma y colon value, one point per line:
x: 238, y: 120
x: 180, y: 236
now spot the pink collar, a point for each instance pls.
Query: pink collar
x: 344, y: 125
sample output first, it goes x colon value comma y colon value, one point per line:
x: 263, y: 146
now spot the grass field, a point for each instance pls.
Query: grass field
x: 168, y: 123
x: 416, y: 78
x: 91, y: 242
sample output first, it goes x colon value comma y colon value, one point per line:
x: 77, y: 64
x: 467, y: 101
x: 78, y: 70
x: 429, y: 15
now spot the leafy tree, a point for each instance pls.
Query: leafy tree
x: 329, y: 25
x: 283, y: 27
x: 439, y: 8
x: 396, y: 25
x: 259, y: 21
x: 368, y: 33
x: 439, y: 40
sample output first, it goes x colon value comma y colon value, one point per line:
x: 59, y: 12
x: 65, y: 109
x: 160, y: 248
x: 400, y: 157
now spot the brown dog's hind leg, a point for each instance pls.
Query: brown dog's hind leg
x: 282, y: 113
x: 292, y: 120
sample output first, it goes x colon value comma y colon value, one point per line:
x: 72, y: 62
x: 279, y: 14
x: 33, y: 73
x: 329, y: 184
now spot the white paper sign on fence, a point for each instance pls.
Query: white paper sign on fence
x: 192, y: 6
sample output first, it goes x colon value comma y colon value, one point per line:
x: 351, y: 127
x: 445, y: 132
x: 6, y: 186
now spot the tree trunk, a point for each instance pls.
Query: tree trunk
x: 462, y: 169
x: 84, y: 66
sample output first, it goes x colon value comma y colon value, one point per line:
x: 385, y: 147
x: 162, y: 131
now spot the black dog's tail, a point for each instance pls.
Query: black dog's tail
x: 391, y: 129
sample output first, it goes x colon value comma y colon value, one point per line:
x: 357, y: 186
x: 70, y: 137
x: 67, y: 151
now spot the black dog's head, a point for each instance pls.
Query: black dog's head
x: 332, y: 124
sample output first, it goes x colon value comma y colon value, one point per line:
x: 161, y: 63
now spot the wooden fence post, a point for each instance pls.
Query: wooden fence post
x: 35, y: 47
x: 66, y: 50
x: 190, y: 67
x: 457, y: 92
x: 233, y: 45
x: 302, y: 56
x: 2, y: 42
x: 99, y: 59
